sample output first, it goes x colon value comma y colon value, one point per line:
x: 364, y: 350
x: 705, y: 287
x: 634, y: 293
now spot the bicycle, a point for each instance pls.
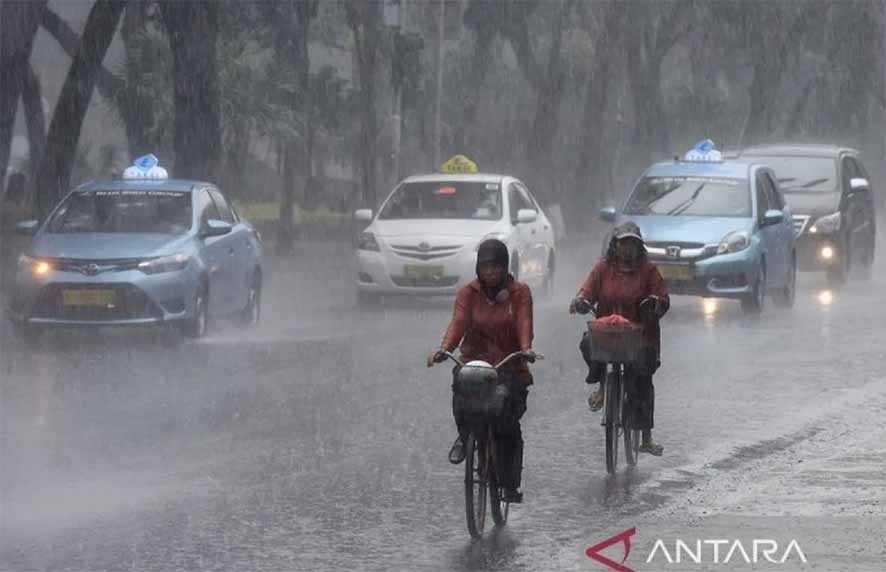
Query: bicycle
x: 617, y: 347
x: 485, y: 400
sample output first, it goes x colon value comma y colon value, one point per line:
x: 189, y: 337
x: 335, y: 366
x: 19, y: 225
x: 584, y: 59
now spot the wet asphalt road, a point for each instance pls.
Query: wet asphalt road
x: 318, y: 440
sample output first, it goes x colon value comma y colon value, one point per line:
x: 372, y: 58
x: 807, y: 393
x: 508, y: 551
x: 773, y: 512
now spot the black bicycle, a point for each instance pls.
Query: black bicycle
x: 618, y: 347
x: 485, y: 399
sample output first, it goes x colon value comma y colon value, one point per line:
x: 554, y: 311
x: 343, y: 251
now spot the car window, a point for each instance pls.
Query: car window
x: 468, y: 200
x: 762, y: 197
x: 775, y: 199
x: 208, y: 210
x: 802, y: 173
x: 518, y: 201
x: 690, y: 196
x: 527, y: 197
x: 222, y: 205
x: 124, y: 211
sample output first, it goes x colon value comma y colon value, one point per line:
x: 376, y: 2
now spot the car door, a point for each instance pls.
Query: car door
x: 768, y: 234
x: 785, y: 230
x: 238, y: 246
x: 522, y: 232
x: 858, y: 208
x: 216, y: 256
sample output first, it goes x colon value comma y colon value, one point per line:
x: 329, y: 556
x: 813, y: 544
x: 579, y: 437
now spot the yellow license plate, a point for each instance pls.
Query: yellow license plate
x: 422, y: 272
x: 100, y: 298
x: 675, y: 273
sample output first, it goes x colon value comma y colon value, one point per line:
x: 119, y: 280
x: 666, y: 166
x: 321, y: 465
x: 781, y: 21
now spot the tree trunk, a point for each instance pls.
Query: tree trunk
x: 192, y: 28
x: 137, y: 110
x: 32, y: 100
x: 73, y: 103
x: 285, y: 228
x: 19, y: 22
x: 364, y: 19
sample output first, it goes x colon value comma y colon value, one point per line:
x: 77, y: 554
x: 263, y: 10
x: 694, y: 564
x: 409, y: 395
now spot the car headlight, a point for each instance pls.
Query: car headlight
x: 34, y: 265
x: 828, y: 224
x: 367, y: 241
x: 734, y: 242
x: 172, y: 263
x: 502, y: 236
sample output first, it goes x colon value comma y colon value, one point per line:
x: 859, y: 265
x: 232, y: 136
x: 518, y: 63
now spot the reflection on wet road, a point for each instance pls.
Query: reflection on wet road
x: 319, y: 440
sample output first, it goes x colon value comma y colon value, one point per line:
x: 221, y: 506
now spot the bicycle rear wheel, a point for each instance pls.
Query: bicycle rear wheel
x: 612, y: 406
x: 476, y: 467
x: 498, y: 505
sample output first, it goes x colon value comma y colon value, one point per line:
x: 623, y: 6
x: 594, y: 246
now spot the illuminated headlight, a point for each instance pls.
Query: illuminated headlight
x: 367, y: 241
x: 827, y: 252
x: 827, y: 224
x: 172, y: 263
x: 34, y: 265
x: 734, y: 242
x: 496, y: 235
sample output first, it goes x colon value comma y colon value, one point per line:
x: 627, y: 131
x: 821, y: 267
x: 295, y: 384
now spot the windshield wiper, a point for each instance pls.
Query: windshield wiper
x: 787, y: 179
x: 687, y: 203
x: 814, y: 182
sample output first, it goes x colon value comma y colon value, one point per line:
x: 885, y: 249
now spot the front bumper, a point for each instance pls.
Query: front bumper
x: 384, y: 273
x: 138, y: 299
x: 722, y: 276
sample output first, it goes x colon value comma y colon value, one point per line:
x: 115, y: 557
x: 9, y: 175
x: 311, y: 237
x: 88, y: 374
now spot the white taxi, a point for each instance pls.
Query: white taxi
x: 424, y: 238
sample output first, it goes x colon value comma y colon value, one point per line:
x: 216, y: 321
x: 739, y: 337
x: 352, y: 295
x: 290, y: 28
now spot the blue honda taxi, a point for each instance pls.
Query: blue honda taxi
x: 143, y: 250
x: 715, y: 228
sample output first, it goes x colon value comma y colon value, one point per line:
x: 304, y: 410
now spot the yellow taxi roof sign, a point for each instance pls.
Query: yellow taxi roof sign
x: 459, y: 164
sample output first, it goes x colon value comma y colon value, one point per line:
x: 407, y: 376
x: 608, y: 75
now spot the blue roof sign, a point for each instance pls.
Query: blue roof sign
x: 146, y: 167
x: 704, y: 152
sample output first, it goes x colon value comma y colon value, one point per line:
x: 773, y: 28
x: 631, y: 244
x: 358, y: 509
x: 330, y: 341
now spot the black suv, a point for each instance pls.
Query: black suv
x: 831, y: 199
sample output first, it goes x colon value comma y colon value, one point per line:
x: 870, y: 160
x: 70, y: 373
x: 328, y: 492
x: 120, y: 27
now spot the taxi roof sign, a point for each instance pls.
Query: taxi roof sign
x: 459, y: 164
x: 704, y: 152
x: 146, y: 167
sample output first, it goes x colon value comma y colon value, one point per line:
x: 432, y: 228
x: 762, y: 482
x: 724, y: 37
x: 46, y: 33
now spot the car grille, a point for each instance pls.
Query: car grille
x: 131, y: 304
x: 442, y: 282
x: 800, y: 222
x: 681, y: 245
x: 425, y: 252
x: 93, y: 267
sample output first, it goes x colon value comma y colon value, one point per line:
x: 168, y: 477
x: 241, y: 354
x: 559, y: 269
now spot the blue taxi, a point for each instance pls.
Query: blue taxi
x: 142, y: 250
x: 715, y: 228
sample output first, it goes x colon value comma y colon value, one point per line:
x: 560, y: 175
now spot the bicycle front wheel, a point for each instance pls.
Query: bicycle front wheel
x: 612, y: 405
x: 476, y: 468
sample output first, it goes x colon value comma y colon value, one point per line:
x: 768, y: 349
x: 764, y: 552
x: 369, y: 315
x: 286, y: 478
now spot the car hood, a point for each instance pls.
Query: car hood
x: 812, y: 203
x: 707, y: 230
x: 434, y: 227
x: 106, y: 246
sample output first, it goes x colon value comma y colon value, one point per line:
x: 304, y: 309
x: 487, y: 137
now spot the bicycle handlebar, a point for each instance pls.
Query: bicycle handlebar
x: 514, y: 355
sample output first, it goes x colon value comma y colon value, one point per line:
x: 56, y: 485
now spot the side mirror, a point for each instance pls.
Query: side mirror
x: 859, y: 184
x: 608, y: 214
x: 773, y: 217
x: 525, y: 216
x: 363, y: 215
x: 27, y: 227
x: 215, y: 227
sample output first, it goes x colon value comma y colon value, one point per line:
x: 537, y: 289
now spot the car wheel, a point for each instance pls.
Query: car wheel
x: 547, y: 287
x: 27, y: 333
x: 368, y: 299
x: 251, y: 314
x: 752, y: 304
x: 785, y: 297
x: 839, y: 274
x: 196, y: 327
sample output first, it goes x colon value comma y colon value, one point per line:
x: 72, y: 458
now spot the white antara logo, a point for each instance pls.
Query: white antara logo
x: 724, y: 551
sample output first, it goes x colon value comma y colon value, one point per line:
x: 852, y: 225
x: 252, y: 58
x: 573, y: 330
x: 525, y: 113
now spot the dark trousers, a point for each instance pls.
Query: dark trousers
x: 640, y: 406
x: 506, y: 428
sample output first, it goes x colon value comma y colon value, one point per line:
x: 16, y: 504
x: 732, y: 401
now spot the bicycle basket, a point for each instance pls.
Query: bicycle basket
x: 481, y: 394
x: 616, y: 343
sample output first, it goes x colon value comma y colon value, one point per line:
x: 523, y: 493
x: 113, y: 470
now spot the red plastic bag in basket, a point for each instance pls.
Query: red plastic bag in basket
x: 614, y: 322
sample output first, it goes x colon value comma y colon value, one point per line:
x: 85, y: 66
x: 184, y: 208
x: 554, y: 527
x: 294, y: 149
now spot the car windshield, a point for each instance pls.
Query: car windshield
x: 690, y: 196
x: 137, y: 211
x: 444, y: 200
x: 804, y: 173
